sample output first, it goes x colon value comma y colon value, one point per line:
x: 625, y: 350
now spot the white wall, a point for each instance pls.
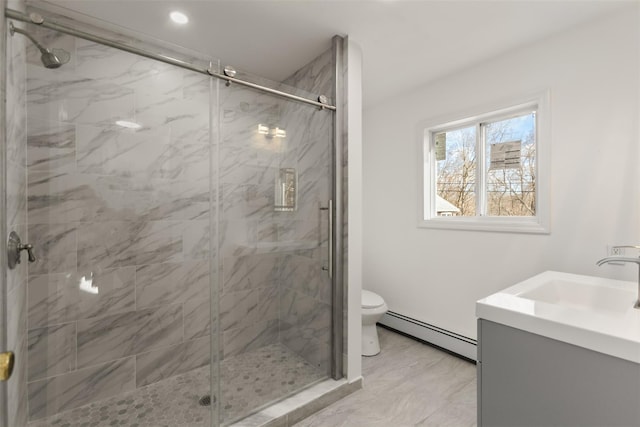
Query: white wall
x: 437, y: 275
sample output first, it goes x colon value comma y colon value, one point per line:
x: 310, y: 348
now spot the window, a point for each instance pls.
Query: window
x: 488, y: 171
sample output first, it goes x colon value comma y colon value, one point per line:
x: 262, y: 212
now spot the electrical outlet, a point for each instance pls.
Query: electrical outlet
x: 615, y: 251
x: 612, y: 250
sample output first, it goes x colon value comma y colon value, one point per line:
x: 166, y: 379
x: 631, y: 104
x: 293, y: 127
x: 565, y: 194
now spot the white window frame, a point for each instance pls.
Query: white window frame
x: 538, y: 224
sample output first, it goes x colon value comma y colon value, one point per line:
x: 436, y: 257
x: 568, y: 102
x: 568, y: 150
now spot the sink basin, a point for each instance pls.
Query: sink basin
x: 590, y: 312
x: 582, y: 295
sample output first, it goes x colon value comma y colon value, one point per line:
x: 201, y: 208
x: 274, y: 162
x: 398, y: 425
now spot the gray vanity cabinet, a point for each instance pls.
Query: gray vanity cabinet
x: 526, y: 379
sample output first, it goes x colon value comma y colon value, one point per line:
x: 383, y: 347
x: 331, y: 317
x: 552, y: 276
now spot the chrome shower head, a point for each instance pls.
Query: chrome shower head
x: 54, y: 58
x: 51, y: 58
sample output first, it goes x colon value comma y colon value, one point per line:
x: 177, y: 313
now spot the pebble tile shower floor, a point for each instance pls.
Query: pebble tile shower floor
x: 249, y: 380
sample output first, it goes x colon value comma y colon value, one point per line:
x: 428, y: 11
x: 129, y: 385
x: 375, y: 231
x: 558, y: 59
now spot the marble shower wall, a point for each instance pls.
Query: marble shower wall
x: 273, y: 286
x: 249, y: 266
x: 16, y: 213
x: 305, y: 292
x: 119, y: 219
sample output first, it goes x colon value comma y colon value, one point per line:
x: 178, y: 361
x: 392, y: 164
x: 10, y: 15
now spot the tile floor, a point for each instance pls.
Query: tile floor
x: 407, y: 384
x: 250, y: 380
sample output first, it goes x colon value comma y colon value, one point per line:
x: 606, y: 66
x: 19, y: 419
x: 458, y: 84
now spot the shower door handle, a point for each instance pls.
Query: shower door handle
x: 329, y: 210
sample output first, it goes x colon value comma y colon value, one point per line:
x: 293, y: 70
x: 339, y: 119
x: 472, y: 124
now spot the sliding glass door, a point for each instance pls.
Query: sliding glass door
x: 275, y: 175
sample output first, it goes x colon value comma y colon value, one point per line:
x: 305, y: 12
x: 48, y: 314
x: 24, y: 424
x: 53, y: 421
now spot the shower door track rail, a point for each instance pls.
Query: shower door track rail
x: 19, y: 16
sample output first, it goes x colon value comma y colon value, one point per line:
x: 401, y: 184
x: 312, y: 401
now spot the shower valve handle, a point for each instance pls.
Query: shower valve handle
x: 29, y: 248
x: 15, y: 248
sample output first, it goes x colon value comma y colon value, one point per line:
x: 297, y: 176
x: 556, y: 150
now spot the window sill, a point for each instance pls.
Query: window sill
x: 523, y: 225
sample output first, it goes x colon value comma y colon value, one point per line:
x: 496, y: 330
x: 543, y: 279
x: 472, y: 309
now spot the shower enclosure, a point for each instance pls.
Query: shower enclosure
x: 186, y: 263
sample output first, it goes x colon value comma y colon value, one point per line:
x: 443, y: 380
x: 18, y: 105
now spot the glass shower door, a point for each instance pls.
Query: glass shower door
x: 181, y: 235
x: 275, y: 177
x: 110, y: 180
x: 14, y: 218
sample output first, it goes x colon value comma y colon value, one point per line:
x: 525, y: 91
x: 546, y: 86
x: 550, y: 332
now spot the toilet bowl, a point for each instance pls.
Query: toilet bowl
x: 373, y: 308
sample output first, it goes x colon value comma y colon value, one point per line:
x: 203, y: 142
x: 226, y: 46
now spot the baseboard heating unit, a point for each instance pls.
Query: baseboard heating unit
x: 450, y: 341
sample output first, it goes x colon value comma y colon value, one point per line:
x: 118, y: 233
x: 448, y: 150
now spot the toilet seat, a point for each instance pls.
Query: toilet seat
x: 371, y: 300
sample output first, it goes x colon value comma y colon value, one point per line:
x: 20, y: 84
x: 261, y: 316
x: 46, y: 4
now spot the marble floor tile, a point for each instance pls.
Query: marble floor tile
x: 408, y: 384
x: 452, y: 415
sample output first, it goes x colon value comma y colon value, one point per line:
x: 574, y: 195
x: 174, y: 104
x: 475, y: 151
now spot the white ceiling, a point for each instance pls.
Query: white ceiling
x: 405, y: 43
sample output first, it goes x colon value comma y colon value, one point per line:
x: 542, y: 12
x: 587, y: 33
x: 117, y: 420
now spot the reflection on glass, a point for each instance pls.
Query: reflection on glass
x: 271, y: 131
x: 87, y: 285
x: 129, y: 124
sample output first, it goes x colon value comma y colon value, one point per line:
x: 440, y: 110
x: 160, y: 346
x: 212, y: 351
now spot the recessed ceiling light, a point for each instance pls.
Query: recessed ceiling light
x: 179, y: 17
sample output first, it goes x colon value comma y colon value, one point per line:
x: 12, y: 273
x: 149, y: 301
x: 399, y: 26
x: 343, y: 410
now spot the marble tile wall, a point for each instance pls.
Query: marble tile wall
x: 249, y: 275
x: 15, y: 281
x: 264, y: 276
x: 273, y: 288
x: 119, y: 218
x: 305, y: 293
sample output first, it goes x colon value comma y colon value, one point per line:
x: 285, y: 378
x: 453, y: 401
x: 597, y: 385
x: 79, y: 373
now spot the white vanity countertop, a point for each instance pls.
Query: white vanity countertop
x: 590, y: 312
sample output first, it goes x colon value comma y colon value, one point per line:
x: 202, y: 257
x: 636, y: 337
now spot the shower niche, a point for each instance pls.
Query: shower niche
x: 286, y: 190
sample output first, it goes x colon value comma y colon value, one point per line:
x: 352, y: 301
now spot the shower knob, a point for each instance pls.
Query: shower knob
x: 29, y: 248
x: 15, y: 247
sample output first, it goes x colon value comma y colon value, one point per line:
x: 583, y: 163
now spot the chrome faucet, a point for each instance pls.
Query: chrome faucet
x: 624, y: 259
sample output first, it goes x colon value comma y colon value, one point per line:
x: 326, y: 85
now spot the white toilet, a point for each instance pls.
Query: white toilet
x: 373, y: 308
